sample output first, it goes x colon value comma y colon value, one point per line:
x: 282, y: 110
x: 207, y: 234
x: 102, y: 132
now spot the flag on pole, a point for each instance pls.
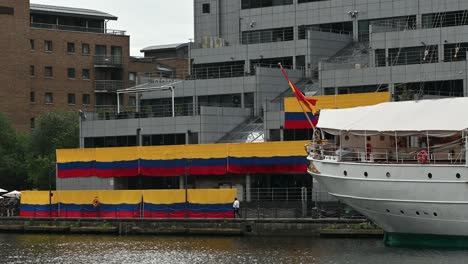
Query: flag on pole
x: 307, y: 104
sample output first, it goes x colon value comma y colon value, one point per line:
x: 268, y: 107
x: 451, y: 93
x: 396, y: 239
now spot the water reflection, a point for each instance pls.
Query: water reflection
x: 147, y: 249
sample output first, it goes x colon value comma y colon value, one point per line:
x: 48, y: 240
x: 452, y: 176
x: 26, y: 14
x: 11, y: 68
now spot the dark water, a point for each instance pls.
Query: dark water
x: 220, y: 250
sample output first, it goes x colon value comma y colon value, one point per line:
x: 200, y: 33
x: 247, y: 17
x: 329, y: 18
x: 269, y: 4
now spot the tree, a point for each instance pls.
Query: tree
x: 55, y: 130
x: 13, y: 172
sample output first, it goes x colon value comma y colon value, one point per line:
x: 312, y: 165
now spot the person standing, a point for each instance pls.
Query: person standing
x: 236, y: 206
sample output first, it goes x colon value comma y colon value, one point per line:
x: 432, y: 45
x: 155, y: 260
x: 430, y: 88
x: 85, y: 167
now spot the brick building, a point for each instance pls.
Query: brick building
x: 58, y: 58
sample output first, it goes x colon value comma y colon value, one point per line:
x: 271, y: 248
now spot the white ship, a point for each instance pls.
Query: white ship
x: 403, y: 165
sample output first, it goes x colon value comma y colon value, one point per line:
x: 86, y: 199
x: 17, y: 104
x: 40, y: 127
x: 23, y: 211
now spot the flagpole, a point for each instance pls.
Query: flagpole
x: 302, y: 107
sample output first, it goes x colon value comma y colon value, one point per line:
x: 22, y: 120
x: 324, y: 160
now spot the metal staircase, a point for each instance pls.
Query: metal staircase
x: 252, y: 130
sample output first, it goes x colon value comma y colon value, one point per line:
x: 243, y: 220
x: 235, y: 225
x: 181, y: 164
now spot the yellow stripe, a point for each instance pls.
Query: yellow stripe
x: 162, y: 152
x: 37, y: 197
x: 75, y: 155
x: 116, y: 154
x: 120, y: 197
x: 211, y: 196
x: 206, y: 151
x: 268, y: 149
x: 164, y: 196
x: 77, y: 197
x: 339, y: 101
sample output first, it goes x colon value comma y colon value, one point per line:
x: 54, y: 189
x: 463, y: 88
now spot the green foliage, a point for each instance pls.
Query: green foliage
x: 12, y: 155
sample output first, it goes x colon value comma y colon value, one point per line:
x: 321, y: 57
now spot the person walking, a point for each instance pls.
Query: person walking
x: 236, y: 206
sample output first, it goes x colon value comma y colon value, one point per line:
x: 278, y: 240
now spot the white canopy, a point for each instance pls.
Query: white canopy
x: 13, y: 194
x: 3, y: 190
x: 441, y: 115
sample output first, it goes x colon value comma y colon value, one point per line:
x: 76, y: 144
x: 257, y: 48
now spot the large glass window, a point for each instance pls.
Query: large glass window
x: 247, y: 4
x: 447, y: 19
x: 267, y: 35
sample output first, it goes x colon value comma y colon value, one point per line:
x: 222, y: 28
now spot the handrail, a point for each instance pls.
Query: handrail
x: 385, y: 155
x: 78, y: 29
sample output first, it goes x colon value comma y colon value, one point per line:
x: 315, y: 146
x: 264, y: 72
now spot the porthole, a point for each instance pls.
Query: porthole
x: 429, y: 175
x: 345, y: 173
x: 458, y: 175
x: 388, y: 211
x: 402, y: 212
x: 417, y: 212
x: 388, y: 174
x: 346, y: 137
x: 366, y: 174
x: 368, y: 138
x: 435, y: 214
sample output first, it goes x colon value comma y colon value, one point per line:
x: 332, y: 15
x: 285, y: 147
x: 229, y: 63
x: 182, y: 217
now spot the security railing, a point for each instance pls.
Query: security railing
x: 106, y: 60
x: 108, y: 85
x: 78, y: 29
x: 451, y: 154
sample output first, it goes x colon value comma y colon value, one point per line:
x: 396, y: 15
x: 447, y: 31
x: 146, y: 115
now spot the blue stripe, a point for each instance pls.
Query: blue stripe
x: 76, y: 165
x: 267, y: 161
x: 37, y: 208
x: 77, y: 207
x: 209, y: 162
x: 98, y: 165
x: 162, y: 163
x: 211, y: 207
x: 164, y: 207
x: 297, y: 116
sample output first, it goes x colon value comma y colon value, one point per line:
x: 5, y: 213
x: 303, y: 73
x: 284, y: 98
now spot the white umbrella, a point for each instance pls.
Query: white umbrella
x: 3, y: 190
x: 13, y: 194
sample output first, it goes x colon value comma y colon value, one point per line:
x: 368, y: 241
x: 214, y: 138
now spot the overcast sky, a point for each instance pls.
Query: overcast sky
x: 148, y: 22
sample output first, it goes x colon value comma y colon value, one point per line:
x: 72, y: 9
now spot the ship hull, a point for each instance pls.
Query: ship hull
x: 416, y: 201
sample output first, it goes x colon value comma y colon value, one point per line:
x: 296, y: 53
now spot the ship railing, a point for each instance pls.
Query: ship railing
x: 387, y: 155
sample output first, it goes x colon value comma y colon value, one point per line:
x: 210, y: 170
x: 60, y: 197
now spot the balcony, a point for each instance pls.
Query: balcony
x: 108, y: 61
x: 108, y: 86
x: 78, y: 29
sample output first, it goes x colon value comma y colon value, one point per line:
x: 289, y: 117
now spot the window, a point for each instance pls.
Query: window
x: 71, y: 47
x: 205, y: 8
x: 49, y: 98
x: 267, y: 35
x: 48, y: 46
x: 4, y: 10
x: 132, y: 76
x: 247, y: 4
x: 32, y: 97
x: 86, y: 99
x: 85, y: 74
x: 85, y: 49
x: 71, y: 99
x: 32, y: 45
x: 71, y: 73
x: 32, y: 122
x: 32, y: 70
x: 48, y: 72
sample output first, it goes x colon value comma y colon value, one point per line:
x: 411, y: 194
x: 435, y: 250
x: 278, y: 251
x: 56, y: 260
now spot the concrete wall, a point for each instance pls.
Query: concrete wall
x: 89, y: 183
x: 215, y: 122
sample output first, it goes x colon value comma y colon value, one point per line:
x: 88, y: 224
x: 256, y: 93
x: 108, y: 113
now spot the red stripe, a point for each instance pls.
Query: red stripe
x: 120, y: 214
x: 69, y: 214
x: 296, y: 124
x: 37, y: 214
x: 208, y: 170
x: 174, y: 171
x: 288, y: 168
x: 76, y: 173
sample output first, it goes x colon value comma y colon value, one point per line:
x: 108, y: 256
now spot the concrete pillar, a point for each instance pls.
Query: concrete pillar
x: 387, y: 59
x: 355, y: 30
x: 419, y: 21
x: 181, y: 182
x: 441, y: 52
x: 391, y: 89
x: 248, y: 185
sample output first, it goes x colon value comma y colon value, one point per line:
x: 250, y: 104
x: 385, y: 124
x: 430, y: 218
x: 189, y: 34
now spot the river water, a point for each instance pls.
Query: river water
x: 147, y: 249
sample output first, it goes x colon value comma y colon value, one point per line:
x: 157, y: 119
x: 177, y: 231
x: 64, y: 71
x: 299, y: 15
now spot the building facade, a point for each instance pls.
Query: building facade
x: 233, y: 90
x: 58, y: 58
